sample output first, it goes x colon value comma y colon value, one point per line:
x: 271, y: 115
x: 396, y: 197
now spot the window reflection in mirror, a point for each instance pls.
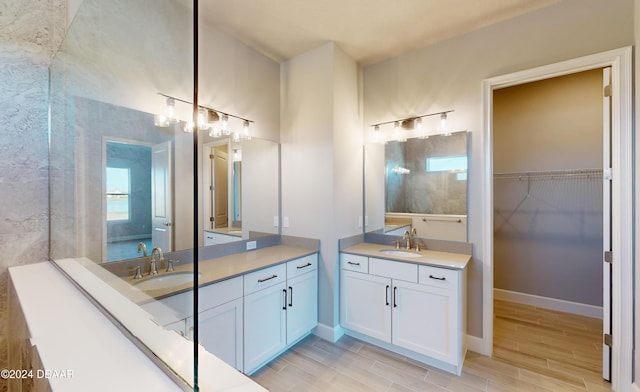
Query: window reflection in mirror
x: 418, y: 183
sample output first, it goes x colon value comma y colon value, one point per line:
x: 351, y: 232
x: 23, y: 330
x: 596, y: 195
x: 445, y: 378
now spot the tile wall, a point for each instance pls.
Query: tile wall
x: 30, y: 32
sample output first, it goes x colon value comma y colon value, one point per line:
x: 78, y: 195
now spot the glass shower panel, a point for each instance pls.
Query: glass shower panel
x: 119, y: 149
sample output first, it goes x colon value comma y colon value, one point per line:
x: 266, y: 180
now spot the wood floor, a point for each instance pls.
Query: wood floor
x: 534, y: 350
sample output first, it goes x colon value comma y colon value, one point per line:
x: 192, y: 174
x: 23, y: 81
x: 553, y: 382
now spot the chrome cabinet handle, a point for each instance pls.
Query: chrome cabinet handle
x: 303, y: 266
x: 437, y: 278
x: 352, y: 263
x: 269, y: 278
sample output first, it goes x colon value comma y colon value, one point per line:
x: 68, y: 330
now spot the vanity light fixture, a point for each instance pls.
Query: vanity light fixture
x: 413, y: 124
x: 206, y: 120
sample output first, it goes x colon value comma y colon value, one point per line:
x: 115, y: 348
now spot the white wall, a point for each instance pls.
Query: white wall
x: 239, y: 80
x: 448, y: 75
x: 322, y: 158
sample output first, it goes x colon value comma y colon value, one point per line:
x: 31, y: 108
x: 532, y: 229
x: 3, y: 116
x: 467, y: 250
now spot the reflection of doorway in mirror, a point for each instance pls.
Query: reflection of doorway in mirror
x: 127, y: 198
x: 220, y: 189
x: 162, y: 197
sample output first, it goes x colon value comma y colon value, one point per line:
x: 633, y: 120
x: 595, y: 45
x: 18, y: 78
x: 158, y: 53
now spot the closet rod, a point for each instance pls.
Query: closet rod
x: 550, y: 174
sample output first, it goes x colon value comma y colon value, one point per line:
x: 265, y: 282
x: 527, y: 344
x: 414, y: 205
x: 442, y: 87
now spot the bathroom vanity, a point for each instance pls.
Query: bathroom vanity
x: 252, y: 306
x: 412, y: 303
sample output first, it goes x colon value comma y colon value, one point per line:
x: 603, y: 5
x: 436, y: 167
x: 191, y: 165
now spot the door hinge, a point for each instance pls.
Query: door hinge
x: 608, y: 339
x: 210, y: 187
x: 211, y: 156
x: 607, y: 90
x: 607, y: 174
x: 211, y: 219
x: 608, y: 256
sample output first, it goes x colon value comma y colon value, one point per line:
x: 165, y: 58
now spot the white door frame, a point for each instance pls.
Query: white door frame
x: 105, y: 140
x: 620, y: 61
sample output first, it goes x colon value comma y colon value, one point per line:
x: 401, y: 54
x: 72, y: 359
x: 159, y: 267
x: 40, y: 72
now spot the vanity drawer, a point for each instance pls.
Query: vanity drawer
x: 354, y: 262
x: 394, y: 269
x: 438, y: 277
x: 264, y: 278
x: 302, y: 265
x: 219, y: 293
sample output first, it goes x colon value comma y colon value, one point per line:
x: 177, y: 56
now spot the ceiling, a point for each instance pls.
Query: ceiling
x: 368, y: 30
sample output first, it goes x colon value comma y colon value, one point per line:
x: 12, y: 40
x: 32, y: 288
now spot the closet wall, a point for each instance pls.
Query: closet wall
x: 548, y: 210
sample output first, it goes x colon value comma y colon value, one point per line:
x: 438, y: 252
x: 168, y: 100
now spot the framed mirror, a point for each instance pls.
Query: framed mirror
x: 418, y: 183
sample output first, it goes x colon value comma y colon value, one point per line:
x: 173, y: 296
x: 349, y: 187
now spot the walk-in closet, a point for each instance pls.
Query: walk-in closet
x: 549, y: 188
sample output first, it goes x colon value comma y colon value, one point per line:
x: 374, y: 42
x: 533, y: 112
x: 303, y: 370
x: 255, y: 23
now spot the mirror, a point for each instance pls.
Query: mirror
x: 240, y: 188
x: 418, y: 183
x: 133, y: 184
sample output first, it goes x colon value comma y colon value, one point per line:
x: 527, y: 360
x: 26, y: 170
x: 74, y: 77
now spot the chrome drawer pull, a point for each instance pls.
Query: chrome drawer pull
x: 269, y: 278
x: 303, y: 266
x: 352, y: 263
x: 436, y: 278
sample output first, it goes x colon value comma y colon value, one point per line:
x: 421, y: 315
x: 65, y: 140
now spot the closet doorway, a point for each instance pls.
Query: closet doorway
x: 622, y: 197
x: 551, y: 225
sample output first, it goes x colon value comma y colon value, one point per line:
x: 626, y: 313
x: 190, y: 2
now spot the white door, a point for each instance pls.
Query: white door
x: 302, y: 305
x: 365, y: 304
x: 606, y: 226
x: 161, y: 197
x: 220, y: 332
x: 265, y: 330
x: 425, y: 320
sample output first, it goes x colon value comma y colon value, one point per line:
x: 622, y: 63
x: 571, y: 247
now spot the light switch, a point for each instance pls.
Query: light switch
x: 286, y: 221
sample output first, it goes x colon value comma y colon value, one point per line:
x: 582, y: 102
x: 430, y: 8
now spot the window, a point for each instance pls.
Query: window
x: 449, y: 164
x: 118, y: 200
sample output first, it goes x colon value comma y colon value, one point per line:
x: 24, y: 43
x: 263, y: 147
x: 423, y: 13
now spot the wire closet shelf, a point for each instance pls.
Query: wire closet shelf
x: 551, y: 174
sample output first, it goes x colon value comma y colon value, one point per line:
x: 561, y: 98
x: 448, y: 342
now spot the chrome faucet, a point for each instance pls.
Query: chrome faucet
x: 142, y: 247
x: 408, y: 237
x: 153, y: 267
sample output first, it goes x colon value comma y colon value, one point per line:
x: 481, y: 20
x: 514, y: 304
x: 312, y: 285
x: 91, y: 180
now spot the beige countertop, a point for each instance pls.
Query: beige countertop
x: 221, y: 268
x: 427, y: 257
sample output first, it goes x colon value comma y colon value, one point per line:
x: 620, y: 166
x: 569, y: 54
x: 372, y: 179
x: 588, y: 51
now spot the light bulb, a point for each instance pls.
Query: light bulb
x: 225, y: 124
x: 377, y: 135
x: 203, y: 116
x: 443, y: 124
x: 171, y: 109
x: 160, y: 121
x: 396, y: 129
x: 188, y: 126
x: 245, y: 129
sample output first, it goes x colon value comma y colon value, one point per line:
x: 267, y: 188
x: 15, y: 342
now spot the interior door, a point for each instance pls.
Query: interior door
x: 220, y: 186
x: 161, y: 197
x: 606, y: 226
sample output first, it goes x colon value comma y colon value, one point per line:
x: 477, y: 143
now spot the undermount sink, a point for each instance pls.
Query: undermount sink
x: 167, y: 280
x: 400, y: 253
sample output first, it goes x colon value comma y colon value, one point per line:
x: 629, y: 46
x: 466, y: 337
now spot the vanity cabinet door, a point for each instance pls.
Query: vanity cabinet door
x: 302, y: 305
x: 220, y: 332
x: 425, y: 320
x: 365, y: 304
x: 265, y: 318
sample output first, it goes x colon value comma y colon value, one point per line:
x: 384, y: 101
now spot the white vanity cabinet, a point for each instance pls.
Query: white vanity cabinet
x: 280, y: 307
x: 250, y: 319
x: 211, y: 238
x: 415, y: 310
x: 220, y: 316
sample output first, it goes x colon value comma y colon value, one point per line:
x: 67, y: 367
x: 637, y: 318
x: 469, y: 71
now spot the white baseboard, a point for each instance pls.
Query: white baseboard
x: 475, y: 344
x: 549, y: 303
x: 326, y: 332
